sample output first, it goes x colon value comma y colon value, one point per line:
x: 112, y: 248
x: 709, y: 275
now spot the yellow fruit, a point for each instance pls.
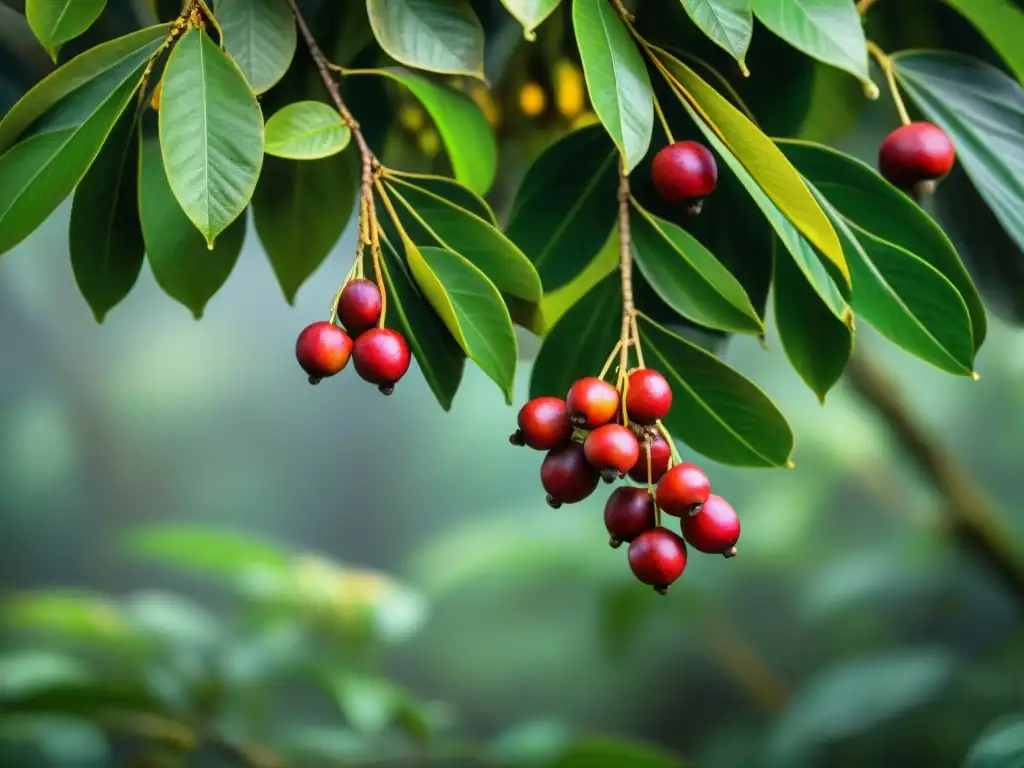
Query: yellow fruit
x: 411, y: 117
x: 570, y: 92
x: 430, y: 142
x: 532, y: 99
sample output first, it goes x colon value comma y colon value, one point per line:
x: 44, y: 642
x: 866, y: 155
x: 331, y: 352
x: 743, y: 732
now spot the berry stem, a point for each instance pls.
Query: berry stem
x: 663, y: 120
x: 611, y: 357
x: 673, y: 451
x: 650, y: 484
x: 626, y: 276
x: 885, y: 64
x: 636, y: 341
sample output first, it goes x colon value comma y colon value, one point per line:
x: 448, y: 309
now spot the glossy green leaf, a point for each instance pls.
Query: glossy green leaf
x: 604, y: 752
x: 716, y: 411
x: 827, y: 30
x: 861, y: 195
x: 260, y: 35
x: 300, y: 210
x: 566, y: 206
x: 580, y: 341
x: 616, y: 76
x: 477, y: 240
x: 54, y: 22
x: 92, y: 66
x: 451, y: 190
x: 530, y: 13
x: 1000, y: 746
x: 105, y: 236
x: 1001, y: 23
x: 729, y: 23
x: 688, y: 277
x: 39, y: 172
x: 306, y: 130
x: 436, y: 35
x: 211, y: 134
x: 465, y: 132
x: 182, y: 263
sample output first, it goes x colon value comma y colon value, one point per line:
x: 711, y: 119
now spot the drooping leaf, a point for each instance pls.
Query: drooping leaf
x: 716, y: 411
x: 300, y: 210
x: 1001, y: 23
x: 451, y: 190
x: 565, y: 206
x: 688, y: 277
x: 530, y: 13
x: 306, y: 130
x: 105, y: 236
x: 436, y: 35
x: 477, y: 240
x: 182, y: 263
x: 1000, y: 746
x: 616, y: 76
x: 729, y: 23
x: 604, y: 752
x: 54, y: 22
x: 827, y: 30
x: 211, y: 134
x: 260, y: 36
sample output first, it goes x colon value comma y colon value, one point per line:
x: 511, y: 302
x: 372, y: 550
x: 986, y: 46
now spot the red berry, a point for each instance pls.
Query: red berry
x: 715, y: 529
x: 567, y: 476
x: 322, y: 350
x: 359, y: 306
x: 381, y: 356
x: 684, y: 172
x: 683, y: 489
x: 628, y: 513
x: 543, y: 424
x: 612, y: 448
x: 648, y: 397
x: 914, y: 153
x: 660, y: 454
x: 592, y: 402
x: 657, y: 557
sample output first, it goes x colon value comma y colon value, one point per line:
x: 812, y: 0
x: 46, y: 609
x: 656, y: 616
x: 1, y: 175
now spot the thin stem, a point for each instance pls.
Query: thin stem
x: 885, y: 63
x: 636, y: 341
x: 664, y: 121
x: 375, y: 255
x: 626, y: 277
x: 673, y: 451
x: 611, y: 357
x: 650, y: 484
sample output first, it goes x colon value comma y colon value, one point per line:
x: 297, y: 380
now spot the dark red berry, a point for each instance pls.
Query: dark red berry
x: 612, y: 448
x: 683, y: 489
x: 914, y: 153
x: 567, y: 475
x: 657, y: 557
x: 660, y: 455
x: 715, y: 529
x: 592, y: 402
x: 543, y: 424
x: 381, y: 356
x: 648, y: 397
x: 628, y: 513
x: 322, y: 350
x: 684, y: 172
x: 359, y: 306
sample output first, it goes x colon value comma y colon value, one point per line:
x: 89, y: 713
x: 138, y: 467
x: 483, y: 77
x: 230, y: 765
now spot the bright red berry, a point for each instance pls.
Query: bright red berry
x: 543, y: 424
x: 628, y: 513
x: 657, y: 557
x: 914, y: 153
x: 660, y: 455
x: 592, y: 402
x: 567, y: 475
x: 613, y: 449
x: 683, y: 490
x: 359, y: 306
x: 715, y: 529
x: 648, y: 397
x: 381, y: 356
x: 322, y: 350
x: 684, y: 172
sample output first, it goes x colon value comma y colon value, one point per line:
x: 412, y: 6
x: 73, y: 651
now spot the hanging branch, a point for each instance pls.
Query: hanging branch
x: 626, y: 336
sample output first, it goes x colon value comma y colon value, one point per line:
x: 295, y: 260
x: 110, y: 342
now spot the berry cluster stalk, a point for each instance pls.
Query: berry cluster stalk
x: 626, y: 334
x: 885, y: 64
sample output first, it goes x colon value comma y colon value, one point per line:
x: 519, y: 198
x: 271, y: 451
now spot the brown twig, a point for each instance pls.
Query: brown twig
x: 625, y: 273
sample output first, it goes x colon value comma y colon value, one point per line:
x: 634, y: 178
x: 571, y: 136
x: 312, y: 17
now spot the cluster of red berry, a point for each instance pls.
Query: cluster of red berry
x: 381, y: 355
x: 598, y: 432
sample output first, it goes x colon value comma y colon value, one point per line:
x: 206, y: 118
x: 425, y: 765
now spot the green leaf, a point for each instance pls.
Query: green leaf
x: 604, y: 752
x: 54, y: 22
x: 580, y: 341
x: 729, y: 23
x: 260, y: 36
x: 616, y: 76
x: 477, y: 240
x: 530, y: 13
x: 565, y: 208
x: 66, y: 614
x: 1000, y: 746
x: 46, y: 165
x: 204, y: 549
x: 306, y: 130
x: 862, y: 196
x: 300, y: 210
x: 826, y: 30
x: 182, y: 263
x: 688, y: 277
x: 465, y: 132
x: 717, y: 411
x: 451, y: 190
x: 1001, y: 23
x: 90, y: 66
x: 436, y: 35
x: 30, y: 671
x: 369, y: 704
x: 105, y: 236
x: 211, y: 134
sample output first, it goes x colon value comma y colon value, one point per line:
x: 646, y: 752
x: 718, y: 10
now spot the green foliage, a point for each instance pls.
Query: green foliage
x: 306, y: 130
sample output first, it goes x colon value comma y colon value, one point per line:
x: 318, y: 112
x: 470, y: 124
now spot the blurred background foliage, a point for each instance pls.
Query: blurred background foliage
x: 207, y: 562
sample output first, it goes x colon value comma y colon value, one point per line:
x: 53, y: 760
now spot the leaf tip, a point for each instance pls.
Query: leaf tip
x: 743, y: 68
x: 209, y: 244
x: 871, y: 92
x: 975, y: 376
x: 790, y: 464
